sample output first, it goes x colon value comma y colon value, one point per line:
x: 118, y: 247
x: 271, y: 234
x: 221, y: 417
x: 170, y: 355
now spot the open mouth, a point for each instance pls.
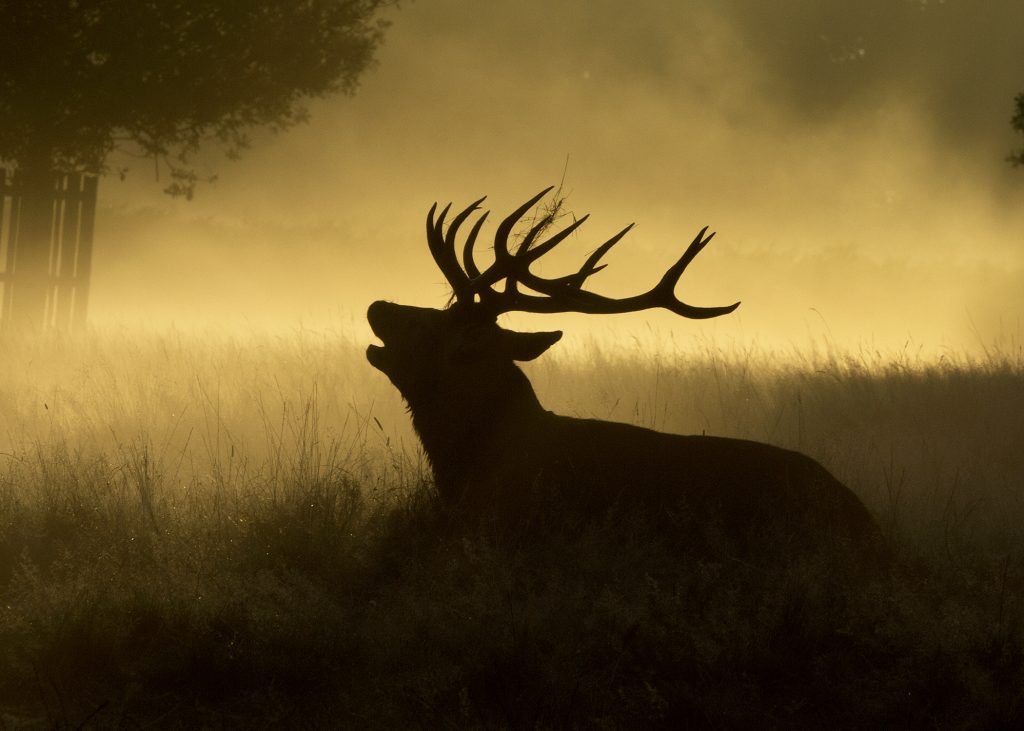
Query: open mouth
x: 375, y: 354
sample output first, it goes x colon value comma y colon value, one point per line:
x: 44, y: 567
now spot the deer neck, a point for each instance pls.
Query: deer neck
x: 462, y: 428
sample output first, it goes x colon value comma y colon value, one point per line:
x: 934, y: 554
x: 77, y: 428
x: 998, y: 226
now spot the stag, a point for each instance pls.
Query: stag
x: 498, y: 455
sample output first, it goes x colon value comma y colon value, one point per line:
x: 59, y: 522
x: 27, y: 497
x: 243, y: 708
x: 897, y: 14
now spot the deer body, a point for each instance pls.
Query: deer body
x: 499, y: 457
x: 721, y: 493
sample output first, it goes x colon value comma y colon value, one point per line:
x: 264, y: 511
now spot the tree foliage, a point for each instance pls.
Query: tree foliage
x: 79, y: 78
x: 1017, y: 157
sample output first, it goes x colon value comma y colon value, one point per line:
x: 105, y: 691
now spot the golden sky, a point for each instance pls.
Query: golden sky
x: 849, y: 155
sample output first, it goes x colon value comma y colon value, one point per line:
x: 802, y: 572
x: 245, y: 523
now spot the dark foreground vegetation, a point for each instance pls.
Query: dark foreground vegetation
x: 144, y: 587
x: 315, y: 609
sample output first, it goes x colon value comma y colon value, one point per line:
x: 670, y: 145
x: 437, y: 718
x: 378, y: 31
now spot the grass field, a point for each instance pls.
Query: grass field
x: 202, y: 530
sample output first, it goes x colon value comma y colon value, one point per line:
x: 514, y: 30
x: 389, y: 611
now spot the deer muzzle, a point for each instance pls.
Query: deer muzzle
x: 377, y: 316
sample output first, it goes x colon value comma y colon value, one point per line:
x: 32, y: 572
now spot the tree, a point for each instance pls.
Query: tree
x: 1017, y: 121
x: 81, y: 78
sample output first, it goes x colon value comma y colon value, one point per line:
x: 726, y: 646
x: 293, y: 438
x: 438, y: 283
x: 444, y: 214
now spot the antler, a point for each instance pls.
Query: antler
x: 560, y: 294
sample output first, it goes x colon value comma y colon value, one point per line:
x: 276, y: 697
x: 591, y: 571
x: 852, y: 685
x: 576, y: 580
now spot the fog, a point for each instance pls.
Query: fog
x: 851, y: 158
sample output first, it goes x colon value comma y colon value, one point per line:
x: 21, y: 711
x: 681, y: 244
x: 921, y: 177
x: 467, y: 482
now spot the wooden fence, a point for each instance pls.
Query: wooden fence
x: 72, y: 216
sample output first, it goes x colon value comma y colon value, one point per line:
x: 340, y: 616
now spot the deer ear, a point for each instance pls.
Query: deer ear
x: 527, y: 346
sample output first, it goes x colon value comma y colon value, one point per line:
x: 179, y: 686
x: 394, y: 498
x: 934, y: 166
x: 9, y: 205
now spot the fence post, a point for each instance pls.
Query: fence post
x: 83, y: 262
x: 47, y: 284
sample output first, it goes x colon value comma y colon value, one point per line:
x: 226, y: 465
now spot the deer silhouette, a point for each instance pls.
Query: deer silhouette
x: 498, y: 455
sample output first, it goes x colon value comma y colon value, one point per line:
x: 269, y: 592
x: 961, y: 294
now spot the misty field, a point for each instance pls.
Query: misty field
x: 211, y: 530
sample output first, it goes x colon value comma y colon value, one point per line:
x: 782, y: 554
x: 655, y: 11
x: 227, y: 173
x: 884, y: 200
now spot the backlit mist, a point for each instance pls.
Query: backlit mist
x: 851, y: 159
x: 247, y: 497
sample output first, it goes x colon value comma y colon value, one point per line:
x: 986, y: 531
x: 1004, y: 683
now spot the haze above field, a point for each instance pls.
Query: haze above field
x: 850, y: 156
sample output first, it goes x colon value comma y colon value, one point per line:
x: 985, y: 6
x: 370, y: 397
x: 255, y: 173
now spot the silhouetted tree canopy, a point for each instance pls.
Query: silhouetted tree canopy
x: 1017, y: 157
x: 81, y: 77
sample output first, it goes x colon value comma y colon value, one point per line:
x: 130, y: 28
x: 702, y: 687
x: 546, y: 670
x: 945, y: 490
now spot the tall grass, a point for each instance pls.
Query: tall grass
x: 220, y: 530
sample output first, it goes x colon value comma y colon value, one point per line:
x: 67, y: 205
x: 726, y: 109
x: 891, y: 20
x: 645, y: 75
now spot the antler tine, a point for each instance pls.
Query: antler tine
x: 453, y: 227
x: 443, y: 252
x: 665, y: 289
x: 676, y: 270
x: 467, y: 252
x: 501, y: 252
x: 527, y: 255
x: 524, y: 254
x: 590, y: 266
